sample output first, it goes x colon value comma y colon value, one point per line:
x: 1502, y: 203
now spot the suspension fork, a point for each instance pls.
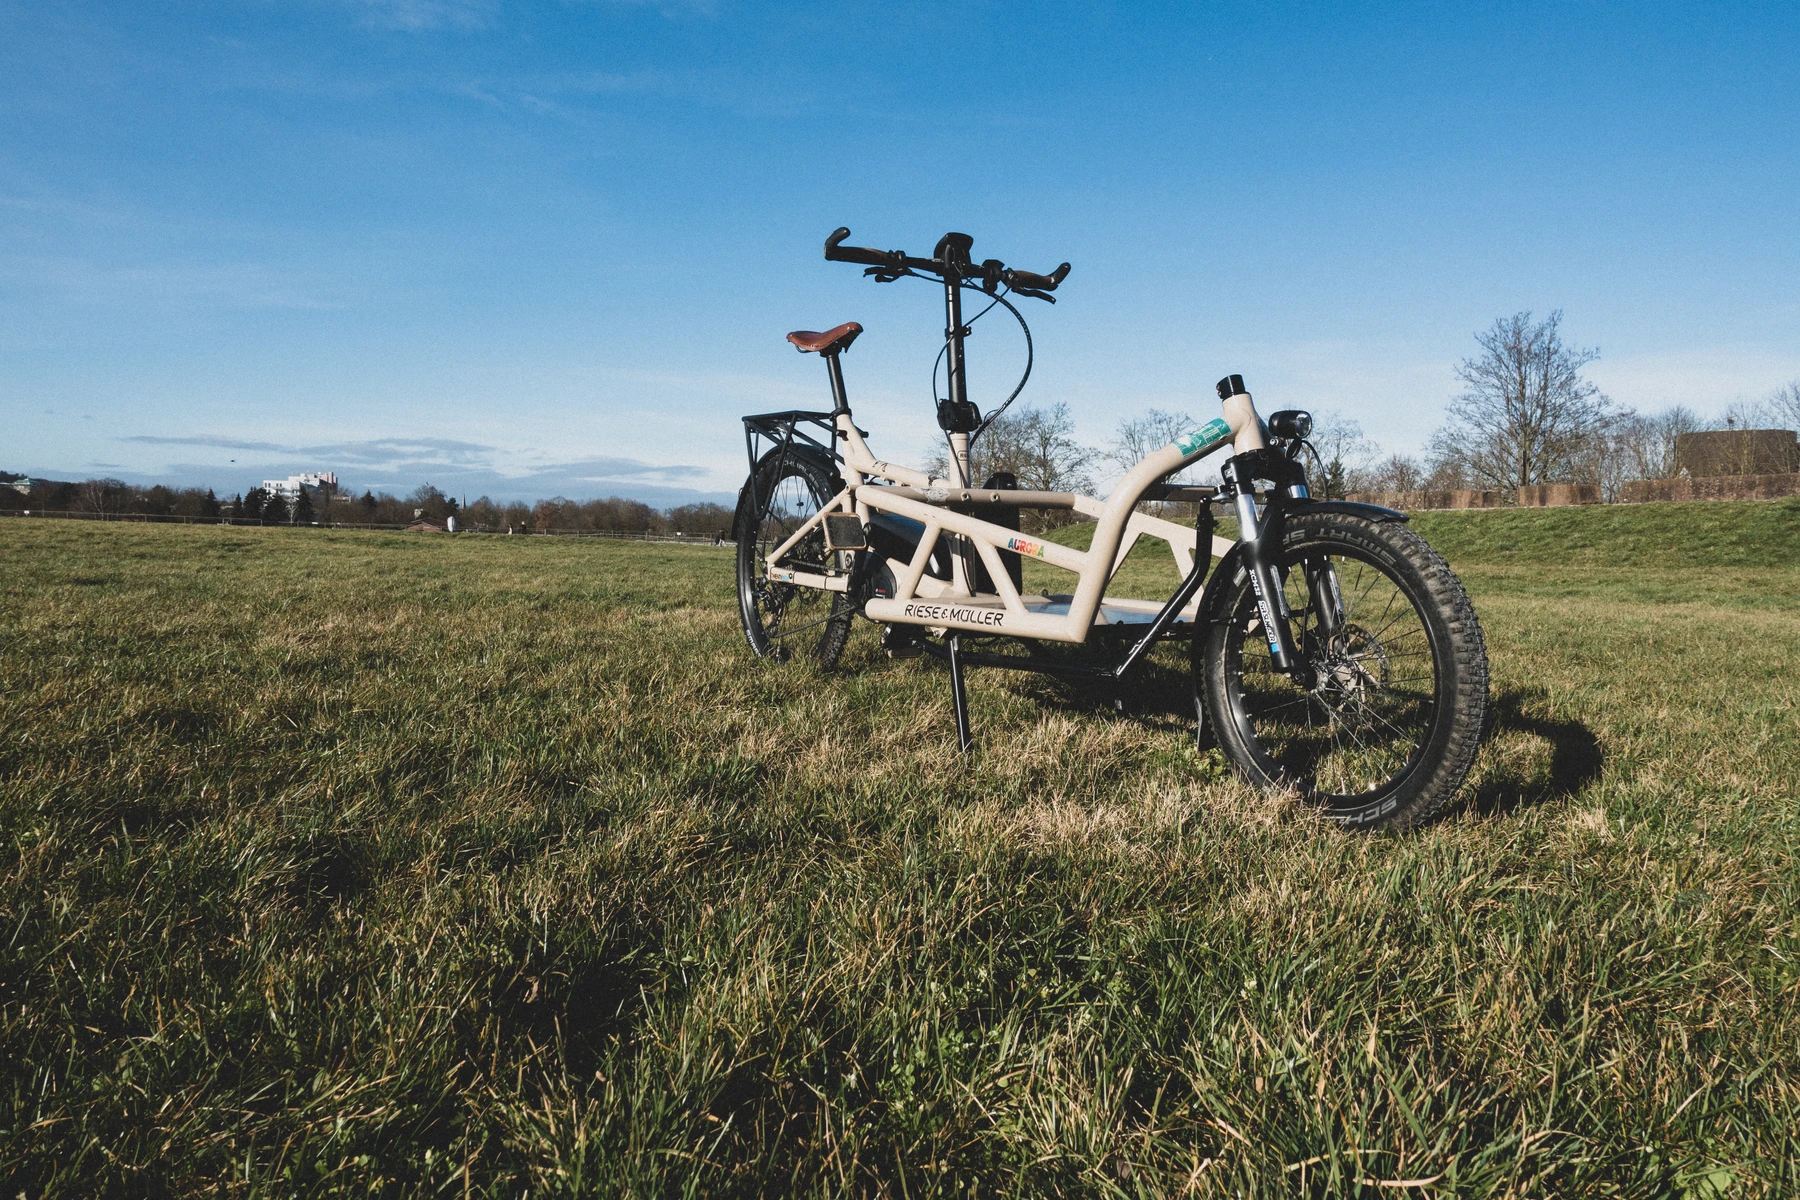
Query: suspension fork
x: 1261, y: 534
x: 1327, y: 597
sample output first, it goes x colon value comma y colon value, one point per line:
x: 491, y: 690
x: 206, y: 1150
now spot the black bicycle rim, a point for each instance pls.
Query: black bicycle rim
x: 1374, y: 708
x: 784, y: 611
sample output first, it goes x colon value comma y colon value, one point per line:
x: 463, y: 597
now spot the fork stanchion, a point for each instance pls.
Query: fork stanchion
x: 959, y: 695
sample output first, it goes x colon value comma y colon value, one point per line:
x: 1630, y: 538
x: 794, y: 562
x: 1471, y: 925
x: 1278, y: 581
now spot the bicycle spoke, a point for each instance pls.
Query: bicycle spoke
x: 1357, y: 726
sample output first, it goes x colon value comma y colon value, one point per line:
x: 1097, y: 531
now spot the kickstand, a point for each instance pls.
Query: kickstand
x: 959, y: 695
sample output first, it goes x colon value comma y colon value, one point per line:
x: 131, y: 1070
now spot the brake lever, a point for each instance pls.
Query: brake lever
x: 1035, y: 294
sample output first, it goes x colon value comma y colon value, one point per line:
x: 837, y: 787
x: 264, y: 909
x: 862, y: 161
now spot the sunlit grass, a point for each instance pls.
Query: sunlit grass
x: 415, y: 864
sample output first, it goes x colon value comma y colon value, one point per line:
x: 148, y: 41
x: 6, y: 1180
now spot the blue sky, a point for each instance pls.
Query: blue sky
x: 525, y: 249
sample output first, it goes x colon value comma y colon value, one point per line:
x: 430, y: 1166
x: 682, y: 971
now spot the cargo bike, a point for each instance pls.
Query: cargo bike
x: 1333, y: 653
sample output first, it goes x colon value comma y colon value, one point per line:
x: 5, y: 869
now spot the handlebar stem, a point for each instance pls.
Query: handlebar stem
x: 954, y: 332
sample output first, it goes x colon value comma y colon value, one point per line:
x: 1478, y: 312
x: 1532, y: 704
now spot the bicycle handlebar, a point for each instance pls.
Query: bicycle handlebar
x: 836, y: 251
x: 891, y: 264
x: 1043, y: 283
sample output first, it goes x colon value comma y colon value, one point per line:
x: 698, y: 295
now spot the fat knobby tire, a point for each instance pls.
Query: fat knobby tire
x: 1458, y: 648
x: 823, y: 483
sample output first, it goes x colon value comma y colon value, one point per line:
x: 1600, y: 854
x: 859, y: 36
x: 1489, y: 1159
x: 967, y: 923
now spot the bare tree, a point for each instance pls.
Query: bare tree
x: 1037, y: 446
x: 1784, y: 405
x: 1780, y: 409
x: 1138, y: 437
x: 1605, y: 459
x: 1645, y: 445
x: 105, y: 496
x: 431, y: 503
x: 1528, y: 414
x: 1396, y: 473
x: 1446, y: 474
x: 1344, y: 453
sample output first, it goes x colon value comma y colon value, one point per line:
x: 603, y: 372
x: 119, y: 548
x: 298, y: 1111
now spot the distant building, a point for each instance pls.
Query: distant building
x: 1737, y: 452
x: 21, y: 484
x: 289, y: 488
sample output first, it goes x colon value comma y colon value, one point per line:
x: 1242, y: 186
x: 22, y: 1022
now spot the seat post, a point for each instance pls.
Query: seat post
x: 840, y: 399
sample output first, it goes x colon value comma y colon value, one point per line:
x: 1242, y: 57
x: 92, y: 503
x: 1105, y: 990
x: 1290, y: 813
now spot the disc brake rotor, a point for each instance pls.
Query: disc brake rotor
x: 1351, y: 673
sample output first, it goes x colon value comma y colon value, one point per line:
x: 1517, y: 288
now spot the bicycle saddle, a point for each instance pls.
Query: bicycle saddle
x: 829, y: 342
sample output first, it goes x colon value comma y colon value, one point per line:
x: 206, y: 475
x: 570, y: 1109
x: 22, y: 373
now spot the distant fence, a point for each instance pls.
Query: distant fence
x: 676, y: 538
x: 1715, y: 487
x: 61, y: 514
x: 1557, y: 495
x: 1414, y: 501
x: 56, y: 514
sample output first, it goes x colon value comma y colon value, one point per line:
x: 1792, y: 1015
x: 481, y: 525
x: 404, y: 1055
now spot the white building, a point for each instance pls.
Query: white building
x: 289, y: 488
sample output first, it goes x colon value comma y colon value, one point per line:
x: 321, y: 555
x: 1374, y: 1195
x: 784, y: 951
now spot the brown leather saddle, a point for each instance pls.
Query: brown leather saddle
x: 829, y: 342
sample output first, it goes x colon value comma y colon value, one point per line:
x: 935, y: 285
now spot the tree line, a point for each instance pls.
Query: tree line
x: 323, y: 506
x: 1526, y: 414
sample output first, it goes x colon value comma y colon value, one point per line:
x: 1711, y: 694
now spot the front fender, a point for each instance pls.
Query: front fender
x: 1354, y: 508
x: 1212, y: 600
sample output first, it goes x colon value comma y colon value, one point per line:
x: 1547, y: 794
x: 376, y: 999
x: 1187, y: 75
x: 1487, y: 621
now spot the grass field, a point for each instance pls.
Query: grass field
x: 385, y: 864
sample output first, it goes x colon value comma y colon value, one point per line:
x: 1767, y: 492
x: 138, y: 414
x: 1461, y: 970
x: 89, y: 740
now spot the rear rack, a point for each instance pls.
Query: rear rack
x: 783, y: 429
x: 787, y: 432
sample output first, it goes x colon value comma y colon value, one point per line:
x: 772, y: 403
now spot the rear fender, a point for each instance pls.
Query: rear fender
x: 778, y: 454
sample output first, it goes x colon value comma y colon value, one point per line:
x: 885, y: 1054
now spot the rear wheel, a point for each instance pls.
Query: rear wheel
x: 1387, y: 726
x: 783, y: 620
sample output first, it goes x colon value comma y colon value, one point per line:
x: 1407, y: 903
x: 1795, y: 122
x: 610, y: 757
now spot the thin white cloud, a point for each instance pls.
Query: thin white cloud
x: 668, y: 8
x: 425, y: 16
x: 404, y: 450
x: 247, y: 285
x: 221, y: 443
x: 415, y: 457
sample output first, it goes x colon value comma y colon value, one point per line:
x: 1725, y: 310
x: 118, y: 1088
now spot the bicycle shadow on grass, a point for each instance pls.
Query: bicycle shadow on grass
x: 1159, y: 694
x: 1528, y: 758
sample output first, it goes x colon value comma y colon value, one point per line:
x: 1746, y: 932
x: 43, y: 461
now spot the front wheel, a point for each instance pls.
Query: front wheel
x: 1385, y: 726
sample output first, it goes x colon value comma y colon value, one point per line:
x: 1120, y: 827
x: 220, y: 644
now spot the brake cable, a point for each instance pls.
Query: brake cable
x: 1318, y: 465
x: 969, y: 324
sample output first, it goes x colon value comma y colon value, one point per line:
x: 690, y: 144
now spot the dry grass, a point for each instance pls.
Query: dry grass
x: 358, y: 862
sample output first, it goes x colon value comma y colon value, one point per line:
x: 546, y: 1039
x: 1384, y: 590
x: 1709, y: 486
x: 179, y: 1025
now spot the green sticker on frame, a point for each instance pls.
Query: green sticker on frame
x: 1204, y: 438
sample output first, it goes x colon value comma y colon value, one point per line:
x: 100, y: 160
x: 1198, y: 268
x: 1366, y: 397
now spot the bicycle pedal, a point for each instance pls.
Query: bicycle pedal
x: 900, y: 643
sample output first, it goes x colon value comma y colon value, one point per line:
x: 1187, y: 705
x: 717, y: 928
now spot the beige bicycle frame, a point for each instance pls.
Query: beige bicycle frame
x: 921, y: 599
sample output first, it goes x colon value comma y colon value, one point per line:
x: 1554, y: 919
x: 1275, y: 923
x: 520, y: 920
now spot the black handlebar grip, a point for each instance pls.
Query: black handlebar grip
x: 836, y: 251
x: 1042, y: 283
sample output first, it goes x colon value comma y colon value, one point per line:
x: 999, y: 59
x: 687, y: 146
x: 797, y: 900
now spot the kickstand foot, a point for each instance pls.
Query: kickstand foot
x: 960, y: 696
